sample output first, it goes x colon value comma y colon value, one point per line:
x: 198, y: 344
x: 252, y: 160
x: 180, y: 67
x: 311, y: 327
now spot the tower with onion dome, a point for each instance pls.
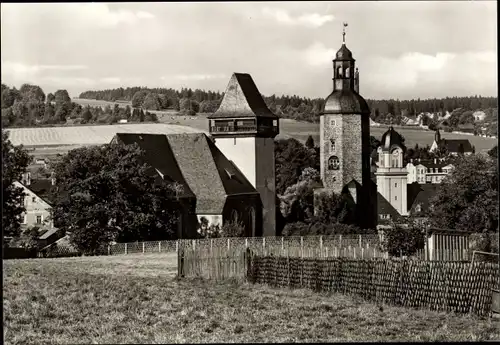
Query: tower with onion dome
x: 345, y: 139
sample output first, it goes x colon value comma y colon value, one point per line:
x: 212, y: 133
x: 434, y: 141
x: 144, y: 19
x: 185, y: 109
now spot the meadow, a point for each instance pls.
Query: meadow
x: 301, y: 130
x: 137, y: 299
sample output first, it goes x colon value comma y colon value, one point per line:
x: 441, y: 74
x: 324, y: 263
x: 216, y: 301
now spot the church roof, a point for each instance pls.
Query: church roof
x: 390, y: 139
x: 385, y: 207
x: 242, y: 99
x: 453, y: 145
x: 420, y: 194
x: 195, y: 162
x: 345, y: 102
x: 343, y: 53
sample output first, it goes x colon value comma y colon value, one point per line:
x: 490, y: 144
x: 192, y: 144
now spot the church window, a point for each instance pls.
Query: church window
x: 347, y: 72
x: 333, y: 123
x: 275, y: 123
x: 418, y: 208
x: 333, y: 163
x: 395, y: 184
x: 234, y: 215
x: 339, y: 72
x: 395, y: 197
x: 332, y: 145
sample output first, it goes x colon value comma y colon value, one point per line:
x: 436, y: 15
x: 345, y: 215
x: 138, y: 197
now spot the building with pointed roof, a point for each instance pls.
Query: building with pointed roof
x: 345, y: 140
x: 453, y: 147
x: 244, y: 130
x: 212, y: 186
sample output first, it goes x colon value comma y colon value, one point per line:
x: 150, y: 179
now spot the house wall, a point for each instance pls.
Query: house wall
x: 35, y: 206
x: 254, y: 157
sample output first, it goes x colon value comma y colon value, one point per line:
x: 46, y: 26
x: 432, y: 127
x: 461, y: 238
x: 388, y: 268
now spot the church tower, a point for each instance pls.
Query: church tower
x: 244, y: 130
x: 345, y: 138
x: 392, y: 176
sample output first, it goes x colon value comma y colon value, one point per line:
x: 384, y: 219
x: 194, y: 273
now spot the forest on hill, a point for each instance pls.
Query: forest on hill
x: 29, y: 106
x: 302, y: 108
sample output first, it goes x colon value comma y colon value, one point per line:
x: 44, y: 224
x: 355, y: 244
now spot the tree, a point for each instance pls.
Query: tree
x: 108, y: 193
x: 232, y: 228
x: 128, y: 112
x: 14, y: 162
x: 468, y: 197
x: 291, y: 158
x: 333, y: 208
x: 297, y: 202
x: 87, y: 115
x: 141, y: 115
x: 50, y: 98
x: 138, y: 98
x: 310, y: 142
x: 61, y: 97
x: 403, y: 239
x: 151, y: 102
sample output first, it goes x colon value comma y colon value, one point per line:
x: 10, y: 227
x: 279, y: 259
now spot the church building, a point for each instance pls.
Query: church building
x: 345, y: 140
x: 229, y: 176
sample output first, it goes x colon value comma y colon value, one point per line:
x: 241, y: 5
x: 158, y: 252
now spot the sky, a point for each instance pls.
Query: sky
x: 403, y: 49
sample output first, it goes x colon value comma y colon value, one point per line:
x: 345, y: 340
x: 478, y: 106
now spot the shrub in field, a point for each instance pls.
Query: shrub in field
x: 403, y: 239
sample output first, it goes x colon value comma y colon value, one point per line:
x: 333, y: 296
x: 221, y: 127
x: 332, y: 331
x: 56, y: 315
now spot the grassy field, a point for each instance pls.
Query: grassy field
x: 136, y: 299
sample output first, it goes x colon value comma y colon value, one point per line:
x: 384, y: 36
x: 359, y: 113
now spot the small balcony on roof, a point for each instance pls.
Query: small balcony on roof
x: 261, y: 127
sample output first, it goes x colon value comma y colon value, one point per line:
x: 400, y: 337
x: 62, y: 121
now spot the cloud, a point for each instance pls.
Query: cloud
x: 441, y: 74
x: 110, y: 80
x: 308, y: 19
x: 318, y: 54
x: 194, y: 77
x: 9, y: 67
x: 100, y: 14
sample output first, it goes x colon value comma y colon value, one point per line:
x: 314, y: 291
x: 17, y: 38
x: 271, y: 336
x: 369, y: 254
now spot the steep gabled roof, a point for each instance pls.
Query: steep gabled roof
x: 194, y: 161
x: 205, y: 168
x: 242, y: 99
x: 159, y: 156
x: 43, y: 188
x: 385, y: 207
x: 453, y: 145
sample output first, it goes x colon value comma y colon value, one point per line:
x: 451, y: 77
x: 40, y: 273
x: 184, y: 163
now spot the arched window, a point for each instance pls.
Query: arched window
x: 395, y: 159
x: 252, y: 222
x: 347, y: 72
x: 234, y: 216
x: 339, y: 72
x: 333, y: 163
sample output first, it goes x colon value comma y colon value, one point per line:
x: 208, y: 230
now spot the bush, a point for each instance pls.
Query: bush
x: 403, y: 240
x: 317, y: 228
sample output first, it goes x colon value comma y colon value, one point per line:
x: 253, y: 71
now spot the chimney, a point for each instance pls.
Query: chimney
x: 28, y: 178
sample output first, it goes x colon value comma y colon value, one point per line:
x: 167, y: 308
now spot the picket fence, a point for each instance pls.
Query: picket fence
x: 462, y: 287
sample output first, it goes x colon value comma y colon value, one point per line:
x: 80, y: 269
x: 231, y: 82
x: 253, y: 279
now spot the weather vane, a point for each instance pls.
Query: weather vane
x: 343, y: 33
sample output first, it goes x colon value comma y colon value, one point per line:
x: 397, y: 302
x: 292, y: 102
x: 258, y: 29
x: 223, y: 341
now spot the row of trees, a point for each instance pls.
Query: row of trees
x: 29, y: 107
x: 295, y: 107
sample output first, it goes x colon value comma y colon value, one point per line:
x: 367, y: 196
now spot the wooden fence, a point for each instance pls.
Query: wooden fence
x: 461, y: 287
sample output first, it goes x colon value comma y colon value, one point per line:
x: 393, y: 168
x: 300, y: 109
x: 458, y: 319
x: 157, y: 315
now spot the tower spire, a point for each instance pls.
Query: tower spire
x: 343, y: 33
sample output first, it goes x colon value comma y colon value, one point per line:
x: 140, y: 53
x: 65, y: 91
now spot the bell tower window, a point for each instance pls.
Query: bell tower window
x: 339, y: 72
x: 347, y: 72
x: 332, y: 146
x: 333, y: 163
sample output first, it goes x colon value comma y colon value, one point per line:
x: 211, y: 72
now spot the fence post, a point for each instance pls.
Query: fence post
x: 340, y: 241
x: 302, y: 246
x: 159, y: 246
x: 360, y: 241
x: 362, y: 253
x: 125, y: 248
x: 321, y: 246
x: 228, y: 244
x: 263, y: 243
x: 194, y: 244
x: 142, y: 247
x: 282, y: 243
x: 109, y: 249
x: 246, y: 242
x: 177, y: 246
x: 211, y: 245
